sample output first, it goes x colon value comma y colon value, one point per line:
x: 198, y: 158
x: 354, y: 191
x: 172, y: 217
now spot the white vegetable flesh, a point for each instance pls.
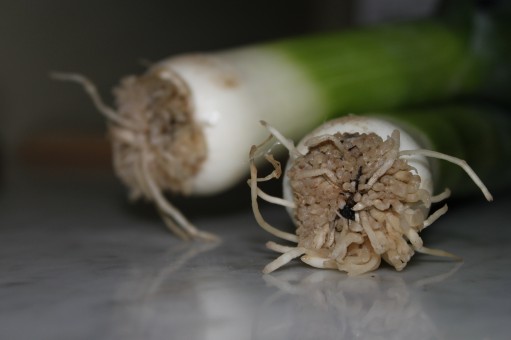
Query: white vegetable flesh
x: 229, y: 92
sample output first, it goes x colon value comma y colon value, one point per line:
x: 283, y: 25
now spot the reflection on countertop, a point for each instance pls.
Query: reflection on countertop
x: 78, y: 263
x: 330, y: 305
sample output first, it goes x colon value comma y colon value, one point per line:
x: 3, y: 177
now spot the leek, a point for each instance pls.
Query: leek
x: 184, y: 126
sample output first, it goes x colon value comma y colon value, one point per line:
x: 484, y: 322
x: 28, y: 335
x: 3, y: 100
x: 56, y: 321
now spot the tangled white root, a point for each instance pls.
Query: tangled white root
x: 157, y: 146
x: 356, y: 201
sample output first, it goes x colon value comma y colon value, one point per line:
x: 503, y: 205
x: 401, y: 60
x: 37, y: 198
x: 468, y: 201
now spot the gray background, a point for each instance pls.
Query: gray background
x: 109, y: 39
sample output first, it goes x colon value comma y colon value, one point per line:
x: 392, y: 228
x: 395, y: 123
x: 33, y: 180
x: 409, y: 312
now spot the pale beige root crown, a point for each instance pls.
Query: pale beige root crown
x: 172, y: 141
x: 167, y: 149
x: 356, y: 202
x: 157, y: 144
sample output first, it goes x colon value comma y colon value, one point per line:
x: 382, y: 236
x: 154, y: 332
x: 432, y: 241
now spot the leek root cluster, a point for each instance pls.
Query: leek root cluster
x: 184, y: 125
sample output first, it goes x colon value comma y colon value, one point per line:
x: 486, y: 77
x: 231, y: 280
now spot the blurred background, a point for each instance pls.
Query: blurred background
x: 44, y: 123
x: 79, y: 262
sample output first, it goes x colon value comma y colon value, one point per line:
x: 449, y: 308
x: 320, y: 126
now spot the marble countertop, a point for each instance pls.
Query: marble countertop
x: 78, y: 262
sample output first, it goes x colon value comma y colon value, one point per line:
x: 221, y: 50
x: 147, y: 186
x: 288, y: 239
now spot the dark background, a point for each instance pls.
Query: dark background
x: 106, y: 40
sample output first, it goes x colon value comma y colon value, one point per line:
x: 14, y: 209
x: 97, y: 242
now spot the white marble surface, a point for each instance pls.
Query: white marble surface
x: 77, y: 262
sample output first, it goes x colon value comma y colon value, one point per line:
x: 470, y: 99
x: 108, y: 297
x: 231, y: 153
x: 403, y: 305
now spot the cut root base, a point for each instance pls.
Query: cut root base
x: 356, y: 202
x: 157, y: 145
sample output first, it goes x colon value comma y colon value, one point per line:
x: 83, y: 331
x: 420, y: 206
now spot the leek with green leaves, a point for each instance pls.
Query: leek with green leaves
x: 184, y: 125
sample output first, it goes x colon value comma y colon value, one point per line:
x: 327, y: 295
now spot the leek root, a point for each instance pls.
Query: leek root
x: 359, y: 190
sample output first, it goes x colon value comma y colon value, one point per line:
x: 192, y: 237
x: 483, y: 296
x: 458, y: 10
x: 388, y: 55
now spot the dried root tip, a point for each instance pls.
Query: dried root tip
x: 187, y: 232
x: 315, y: 141
x: 90, y: 88
x: 172, y: 217
x: 355, y: 269
x: 283, y: 259
x: 262, y: 149
x: 272, y: 199
x: 460, y: 162
x: 319, y: 262
x: 278, y: 247
x: 255, y: 206
x: 288, y: 144
x: 441, y: 196
x: 434, y: 216
x: 174, y: 228
x: 438, y: 252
